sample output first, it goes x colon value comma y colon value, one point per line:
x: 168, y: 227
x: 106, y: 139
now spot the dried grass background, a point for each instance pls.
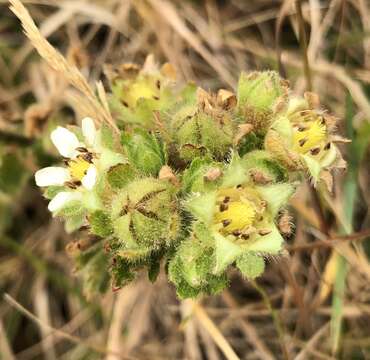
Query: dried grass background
x: 303, y: 307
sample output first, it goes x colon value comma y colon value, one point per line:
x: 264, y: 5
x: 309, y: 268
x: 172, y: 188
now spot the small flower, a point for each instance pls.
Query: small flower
x: 303, y: 137
x: 81, y: 171
x: 239, y: 216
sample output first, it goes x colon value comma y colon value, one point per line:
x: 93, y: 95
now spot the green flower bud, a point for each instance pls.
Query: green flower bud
x: 260, y: 95
x: 203, y: 128
x: 145, y: 217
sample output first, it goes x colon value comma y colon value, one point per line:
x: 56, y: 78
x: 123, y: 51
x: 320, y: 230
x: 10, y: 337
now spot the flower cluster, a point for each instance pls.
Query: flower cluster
x: 196, y: 181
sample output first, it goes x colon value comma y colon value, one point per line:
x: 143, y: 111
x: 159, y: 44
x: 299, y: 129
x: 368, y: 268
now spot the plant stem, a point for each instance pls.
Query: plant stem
x: 276, y: 318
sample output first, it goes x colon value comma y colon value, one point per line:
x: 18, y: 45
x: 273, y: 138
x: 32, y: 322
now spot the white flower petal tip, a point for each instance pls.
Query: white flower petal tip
x: 65, y: 141
x: 89, y: 130
x: 52, y: 175
x: 89, y: 180
x: 61, y: 199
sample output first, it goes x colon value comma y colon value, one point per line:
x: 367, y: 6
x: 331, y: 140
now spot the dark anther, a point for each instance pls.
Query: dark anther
x: 156, y: 97
x: 226, y: 222
x: 264, y: 232
x: 245, y: 236
x: 237, y: 233
x: 226, y: 199
x: 302, y: 141
x: 158, y: 84
x: 301, y: 128
x: 239, y: 186
x: 327, y: 146
x: 88, y: 157
x: 124, y: 103
x: 315, y: 151
x: 223, y: 207
x: 71, y: 184
x: 82, y: 149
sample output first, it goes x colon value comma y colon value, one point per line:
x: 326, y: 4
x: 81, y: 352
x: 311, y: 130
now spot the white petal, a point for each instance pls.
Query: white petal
x: 61, y: 199
x: 89, y: 130
x: 65, y: 141
x: 89, y: 180
x: 52, y: 175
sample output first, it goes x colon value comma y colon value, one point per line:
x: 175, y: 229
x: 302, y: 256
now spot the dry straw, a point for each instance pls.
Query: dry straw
x: 60, y: 64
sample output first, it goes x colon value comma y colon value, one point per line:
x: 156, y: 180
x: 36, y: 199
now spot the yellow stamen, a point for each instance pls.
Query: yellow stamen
x: 236, y: 210
x: 238, y: 216
x: 78, y: 168
x: 310, y: 135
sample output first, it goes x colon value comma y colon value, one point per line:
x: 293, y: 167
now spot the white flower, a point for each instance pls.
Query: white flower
x: 89, y: 131
x: 65, y: 141
x: 62, y: 199
x: 89, y: 180
x: 52, y: 175
x: 81, y: 172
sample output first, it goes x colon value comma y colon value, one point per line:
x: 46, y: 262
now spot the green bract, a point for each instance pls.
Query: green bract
x: 195, y: 181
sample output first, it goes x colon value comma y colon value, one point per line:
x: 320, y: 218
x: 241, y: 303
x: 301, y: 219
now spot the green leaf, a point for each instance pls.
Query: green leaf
x: 100, y: 223
x: 73, y: 208
x: 120, y: 175
x: 193, y: 176
x: 52, y: 191
x: 145, y: 151
x: 74, y: 222
x: 250, y: 265
x: 202, y: 206
x: 226, y: 252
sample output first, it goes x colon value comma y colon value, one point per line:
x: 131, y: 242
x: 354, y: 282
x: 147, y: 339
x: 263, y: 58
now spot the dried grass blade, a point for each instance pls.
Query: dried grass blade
x: 57, y: 61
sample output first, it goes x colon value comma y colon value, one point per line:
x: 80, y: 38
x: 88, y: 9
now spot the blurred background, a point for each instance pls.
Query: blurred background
x: 312, y: 303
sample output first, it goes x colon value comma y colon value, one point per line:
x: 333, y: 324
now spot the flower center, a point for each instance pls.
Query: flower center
x: 236, y: 211
x: 78, y: 168
x: 309, y: 136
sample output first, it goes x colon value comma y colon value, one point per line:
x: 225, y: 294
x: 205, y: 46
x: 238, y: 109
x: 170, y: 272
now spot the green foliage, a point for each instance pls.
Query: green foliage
x: 120, y: 175
x: 250, y: 265
x: 100, y: 223
x: 145, y: 151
